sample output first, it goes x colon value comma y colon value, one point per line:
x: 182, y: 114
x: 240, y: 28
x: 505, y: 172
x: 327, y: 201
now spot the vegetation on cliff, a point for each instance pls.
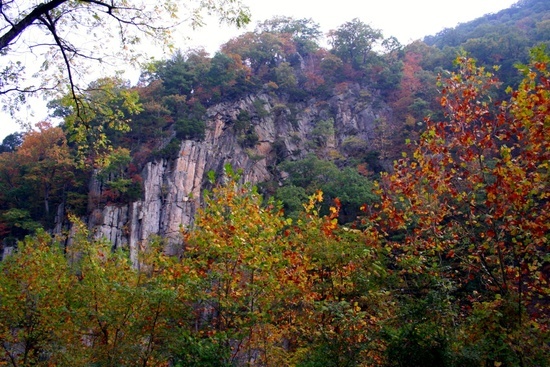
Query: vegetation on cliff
x: 439, y: 260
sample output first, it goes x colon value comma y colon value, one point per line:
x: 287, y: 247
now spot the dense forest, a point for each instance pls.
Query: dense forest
x: 424, y: 245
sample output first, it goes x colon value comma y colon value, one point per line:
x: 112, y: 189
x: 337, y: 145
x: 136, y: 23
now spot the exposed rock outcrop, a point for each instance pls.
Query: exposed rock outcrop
x: 172, y: 188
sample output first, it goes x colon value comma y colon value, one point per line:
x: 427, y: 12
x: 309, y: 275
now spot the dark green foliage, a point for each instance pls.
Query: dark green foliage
x: 385, y: 75
x: 243, y: 121
x: 11, y: 142
x: 354, y: 146
x: 350, y: 187
x: 125, y: 189
x: 354, y: 41
x: 417, y: 345
x: 372, y: 158
x: 330, y: 353
x: 17, y: 223
x: 77, y: 201
x: 293, y: 197
x: 188, y: 117
x: 285, y: 77
x: 417, y: 338
x: 311, y: 174
x: 259, y: 106
x: 221, y: 77
x: 176, y: 74
x: 193, y: 128
x: 170, y: 151
x: 119, y: 177
x: 194, y: 351
x: 323, y: 132
x: 281, y: 153
x: 298, y: 95
x: 503, y: 38
x: 249, y: 139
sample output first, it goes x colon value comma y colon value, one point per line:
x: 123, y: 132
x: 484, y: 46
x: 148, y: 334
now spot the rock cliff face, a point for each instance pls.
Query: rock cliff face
x: 276, y: 130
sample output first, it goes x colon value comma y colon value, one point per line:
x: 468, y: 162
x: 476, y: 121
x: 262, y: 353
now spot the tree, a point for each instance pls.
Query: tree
x: 223, y: 74
x: 284, y: 76
x: 34, y: 179
x: 304, y: 32
x: 468, y: 216
x: 275, y: 291
x: 175, y: 75
x: 292, y: 197
x: 86, y: 304
x: 34, y: 284
x: 261, y: 51
x: 353, y: 41
x: 98, y: 117
x: 48, y: 163
x: 11, y: 142
x: 236, y: 256
x: 311, y: 174
x: 182, y: 73
x: 343, y: 298
x: 250, y: 287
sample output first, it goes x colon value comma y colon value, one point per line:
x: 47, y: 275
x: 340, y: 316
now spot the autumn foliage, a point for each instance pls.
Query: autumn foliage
x: 448, y: 268
x: 468, y: 214
x: 274, y: 290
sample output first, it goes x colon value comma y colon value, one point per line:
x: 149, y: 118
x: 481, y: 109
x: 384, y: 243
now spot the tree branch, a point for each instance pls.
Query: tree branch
x: 29, y: 19
x: 50, y: 24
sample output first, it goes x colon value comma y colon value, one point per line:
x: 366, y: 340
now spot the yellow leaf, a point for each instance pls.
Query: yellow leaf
x: 319, y: 196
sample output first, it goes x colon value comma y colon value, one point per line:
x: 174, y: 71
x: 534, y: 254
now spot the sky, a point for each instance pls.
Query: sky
x: 407, y: 20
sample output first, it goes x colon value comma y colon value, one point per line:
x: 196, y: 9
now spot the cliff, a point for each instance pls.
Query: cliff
x: 275, y: 130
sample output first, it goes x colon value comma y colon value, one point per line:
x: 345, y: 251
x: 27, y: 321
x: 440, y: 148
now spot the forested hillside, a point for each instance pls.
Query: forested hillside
x: 502, y: 39
x: 280, y: 203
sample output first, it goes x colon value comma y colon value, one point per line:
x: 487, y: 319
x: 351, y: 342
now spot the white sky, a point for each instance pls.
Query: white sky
x: 408, y: 20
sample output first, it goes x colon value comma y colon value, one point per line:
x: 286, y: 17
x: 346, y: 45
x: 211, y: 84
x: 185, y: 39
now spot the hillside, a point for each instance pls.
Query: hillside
x: 267, y: 98
x: 283, y: 204
x: 503, y: 38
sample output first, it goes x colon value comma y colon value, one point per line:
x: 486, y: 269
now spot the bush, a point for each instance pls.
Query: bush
x: 170, y: 151
x: 190, y: 128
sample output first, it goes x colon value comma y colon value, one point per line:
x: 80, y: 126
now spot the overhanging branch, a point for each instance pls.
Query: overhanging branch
x: 29, y: 19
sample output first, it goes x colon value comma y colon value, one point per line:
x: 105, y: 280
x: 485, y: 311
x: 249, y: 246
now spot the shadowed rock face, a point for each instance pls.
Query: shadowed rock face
x: 172, y: 189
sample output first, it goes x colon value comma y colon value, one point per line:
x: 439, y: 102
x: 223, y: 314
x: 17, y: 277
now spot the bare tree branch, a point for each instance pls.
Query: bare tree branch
x: 29, y: 19
x: 50, y: 24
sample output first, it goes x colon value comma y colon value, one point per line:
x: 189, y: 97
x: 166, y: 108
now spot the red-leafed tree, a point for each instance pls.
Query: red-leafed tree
x: 34, y: 180
x: 47, y: 159
x: 469, y: 213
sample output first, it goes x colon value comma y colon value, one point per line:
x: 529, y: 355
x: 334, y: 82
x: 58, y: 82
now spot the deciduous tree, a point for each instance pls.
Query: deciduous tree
x: 46, y: 159
x: 236, y: 252
x: 353, y: 41
x: 471, y: 210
